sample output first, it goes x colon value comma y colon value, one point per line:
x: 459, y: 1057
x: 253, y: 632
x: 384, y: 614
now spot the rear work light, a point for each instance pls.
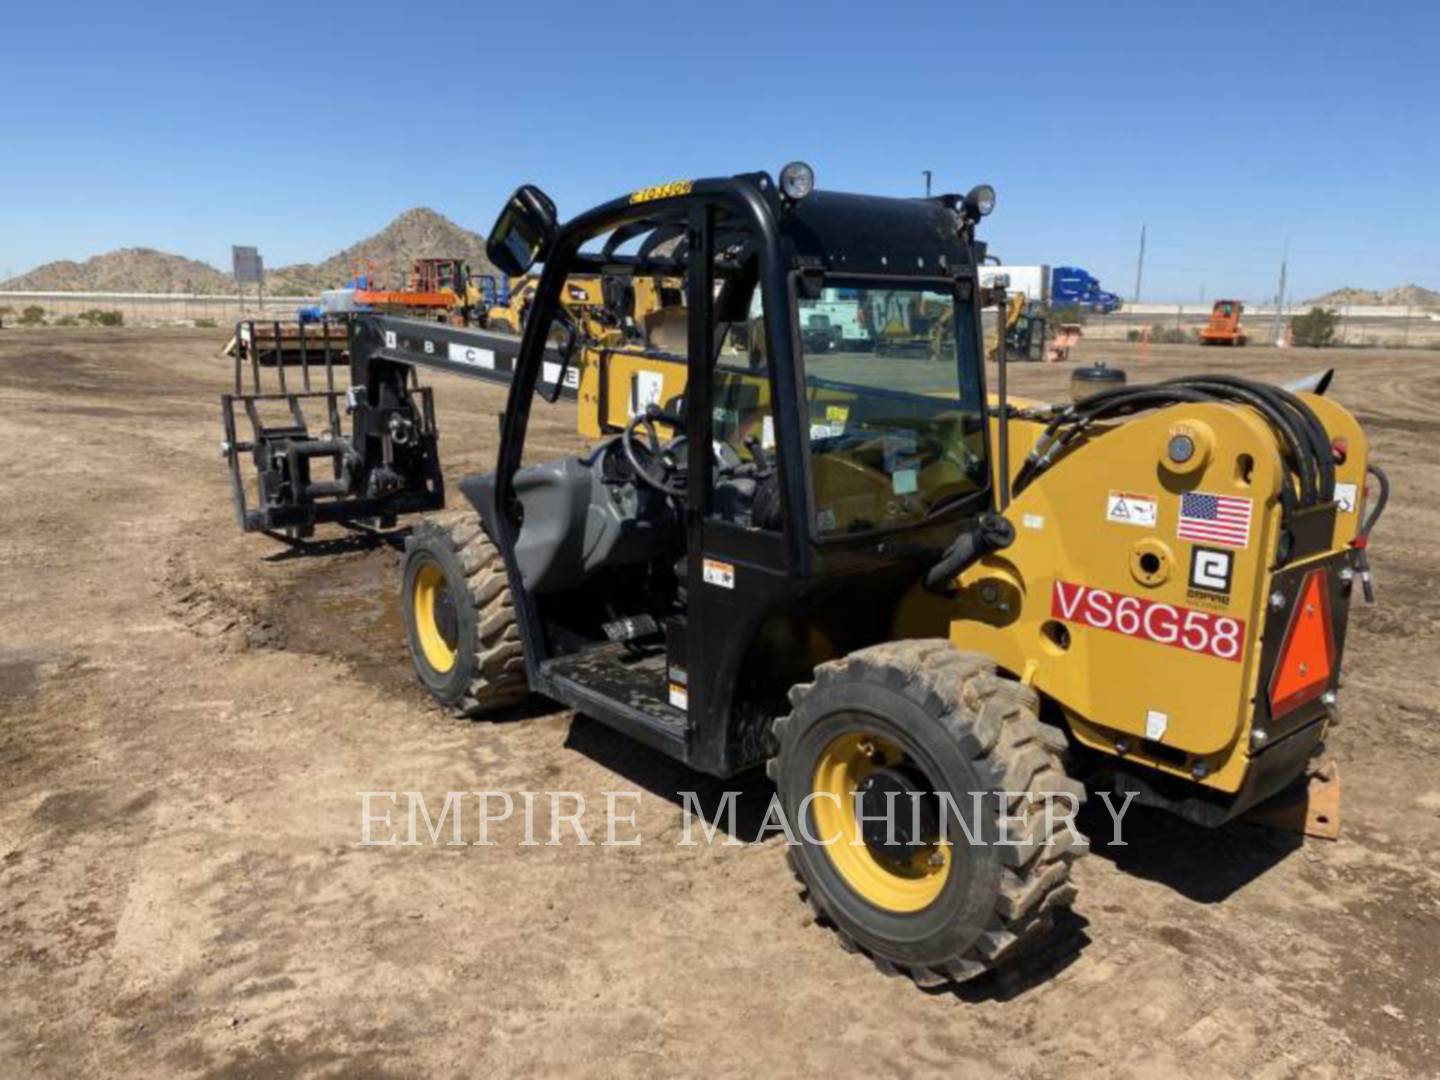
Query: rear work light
x: 1307, y: 655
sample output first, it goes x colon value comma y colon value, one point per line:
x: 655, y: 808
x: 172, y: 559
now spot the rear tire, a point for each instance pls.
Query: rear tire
x: 921, y: 711
x: 459, y: 619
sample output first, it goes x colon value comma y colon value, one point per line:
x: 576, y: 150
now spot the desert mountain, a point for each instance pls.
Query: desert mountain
x: 125, y: 270
x: 414, y: 234
x: 1402, y: 296
x: 417, y: 233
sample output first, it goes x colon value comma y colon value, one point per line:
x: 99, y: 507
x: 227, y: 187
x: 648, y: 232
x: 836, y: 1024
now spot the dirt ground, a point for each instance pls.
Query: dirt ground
x: 187, y: 716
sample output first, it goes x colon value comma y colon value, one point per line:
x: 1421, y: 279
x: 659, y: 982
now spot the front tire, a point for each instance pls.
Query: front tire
x: 459, y: 619
x: 925, y: 721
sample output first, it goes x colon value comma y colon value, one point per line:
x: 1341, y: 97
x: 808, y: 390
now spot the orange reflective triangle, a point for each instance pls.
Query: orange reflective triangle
x: 1307, y: 656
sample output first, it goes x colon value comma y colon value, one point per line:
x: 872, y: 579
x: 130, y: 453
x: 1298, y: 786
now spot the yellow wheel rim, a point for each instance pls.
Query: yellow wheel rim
x: 842, y: 767
x: 427, y: 593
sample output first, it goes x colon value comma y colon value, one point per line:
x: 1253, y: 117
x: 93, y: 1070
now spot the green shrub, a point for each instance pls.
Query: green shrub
x: 97, y: 317
x: 1315, y: 329
x: 1168, y: 335
x: 66, y: 320
x: 32, y: 315
x: 205, y: 324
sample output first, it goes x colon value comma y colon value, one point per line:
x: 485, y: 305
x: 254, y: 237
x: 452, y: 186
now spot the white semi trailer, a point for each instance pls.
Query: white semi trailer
x: 1033, y: 281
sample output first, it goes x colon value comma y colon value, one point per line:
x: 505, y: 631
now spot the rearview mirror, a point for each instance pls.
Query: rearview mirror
x: 523, y: 232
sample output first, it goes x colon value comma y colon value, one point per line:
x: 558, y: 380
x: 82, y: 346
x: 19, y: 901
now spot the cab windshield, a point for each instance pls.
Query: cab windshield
x: 893, y: 392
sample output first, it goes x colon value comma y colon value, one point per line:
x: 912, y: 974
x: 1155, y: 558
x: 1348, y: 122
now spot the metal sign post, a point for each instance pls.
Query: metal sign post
x: 249, y: 269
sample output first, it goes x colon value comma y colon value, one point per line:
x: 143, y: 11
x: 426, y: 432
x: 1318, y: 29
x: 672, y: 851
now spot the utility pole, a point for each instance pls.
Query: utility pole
x: 1280, y: 297
x: 927, y: 174
x: 1140, y: 264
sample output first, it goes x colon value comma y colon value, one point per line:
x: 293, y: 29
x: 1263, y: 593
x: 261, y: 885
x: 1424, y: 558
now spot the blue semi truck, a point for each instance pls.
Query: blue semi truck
x: 1070, y: 285
x: 1064, y: 286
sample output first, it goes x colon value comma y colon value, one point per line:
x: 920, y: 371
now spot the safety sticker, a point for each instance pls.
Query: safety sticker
x: 1127, y: 509
x: 470, y: 355
x: 679, y: 696
x: 1211, y: 569
x: 1155, y: 724
x: 646, y: 387
x: 1345, y: 497
x: 1033, y: 521
x: 718, y: 573
x: 1165, y: 624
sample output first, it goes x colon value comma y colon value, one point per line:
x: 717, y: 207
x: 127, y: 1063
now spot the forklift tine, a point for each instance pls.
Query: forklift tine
x: 304, y: 357
x: 329, y: 360
x: 254, y: 359
x: 239, y: 359
x: 280, y: 359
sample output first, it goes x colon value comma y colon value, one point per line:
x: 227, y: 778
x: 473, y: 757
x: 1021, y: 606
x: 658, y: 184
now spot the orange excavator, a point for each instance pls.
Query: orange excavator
x: 1224, y: 327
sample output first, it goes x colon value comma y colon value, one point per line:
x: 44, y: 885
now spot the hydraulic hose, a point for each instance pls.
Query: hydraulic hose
x: 1297, y: 448
x: 1082, y: 414
x: 1286, y: 411
x: 1361, y: 543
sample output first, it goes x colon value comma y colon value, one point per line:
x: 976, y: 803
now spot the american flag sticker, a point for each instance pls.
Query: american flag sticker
x: 1214, y: 519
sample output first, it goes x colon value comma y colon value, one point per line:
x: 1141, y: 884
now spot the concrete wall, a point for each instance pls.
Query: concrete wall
x: 156, y: 309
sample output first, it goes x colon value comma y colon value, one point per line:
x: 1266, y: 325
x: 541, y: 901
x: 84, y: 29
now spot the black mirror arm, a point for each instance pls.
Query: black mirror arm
x: 990, y: 533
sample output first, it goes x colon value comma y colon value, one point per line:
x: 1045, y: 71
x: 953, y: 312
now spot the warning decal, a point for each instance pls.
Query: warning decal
x: 1345, y: 498
x: 1125, y: 508
x: 719, y: 573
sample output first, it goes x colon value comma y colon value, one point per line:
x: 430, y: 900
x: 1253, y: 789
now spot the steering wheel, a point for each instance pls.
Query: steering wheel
x: 656, y: 451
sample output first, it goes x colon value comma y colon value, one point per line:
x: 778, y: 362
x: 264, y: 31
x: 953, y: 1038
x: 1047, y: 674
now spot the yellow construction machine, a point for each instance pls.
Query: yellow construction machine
x: 936, y: 614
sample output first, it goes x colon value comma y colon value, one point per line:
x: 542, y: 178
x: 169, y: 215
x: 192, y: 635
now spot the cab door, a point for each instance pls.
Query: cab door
x: 740, y: 569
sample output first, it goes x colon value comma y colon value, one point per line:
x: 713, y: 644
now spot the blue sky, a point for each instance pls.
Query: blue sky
x: 1225, y: 128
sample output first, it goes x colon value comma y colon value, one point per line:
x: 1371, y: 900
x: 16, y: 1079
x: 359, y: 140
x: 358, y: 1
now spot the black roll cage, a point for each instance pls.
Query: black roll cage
x: 744, y: 195
x: 754, y: 200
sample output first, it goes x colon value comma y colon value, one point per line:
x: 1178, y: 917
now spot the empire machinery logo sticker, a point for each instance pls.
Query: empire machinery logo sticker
x: 1211, y: 571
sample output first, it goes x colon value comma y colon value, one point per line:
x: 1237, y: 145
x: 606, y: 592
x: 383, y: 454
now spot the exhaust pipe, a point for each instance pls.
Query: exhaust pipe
x: 1317, y: 383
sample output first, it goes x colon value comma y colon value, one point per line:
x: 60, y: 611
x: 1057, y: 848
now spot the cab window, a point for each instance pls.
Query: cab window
x: 895, y: 415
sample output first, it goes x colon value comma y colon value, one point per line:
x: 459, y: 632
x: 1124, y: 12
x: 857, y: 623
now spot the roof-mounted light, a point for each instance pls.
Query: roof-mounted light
x: 980, y: 201
x: 797, y: 180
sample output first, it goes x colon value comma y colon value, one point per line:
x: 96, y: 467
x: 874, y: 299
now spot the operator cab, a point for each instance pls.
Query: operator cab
x: 771, y: 480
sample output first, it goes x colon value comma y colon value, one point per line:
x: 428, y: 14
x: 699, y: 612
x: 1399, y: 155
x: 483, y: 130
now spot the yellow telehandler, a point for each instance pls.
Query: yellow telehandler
x: 931, y: 611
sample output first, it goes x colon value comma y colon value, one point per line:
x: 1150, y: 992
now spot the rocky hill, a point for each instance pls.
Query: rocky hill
x: 125, y: 270
x: 417, y: 233
x: 1401, y: 296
